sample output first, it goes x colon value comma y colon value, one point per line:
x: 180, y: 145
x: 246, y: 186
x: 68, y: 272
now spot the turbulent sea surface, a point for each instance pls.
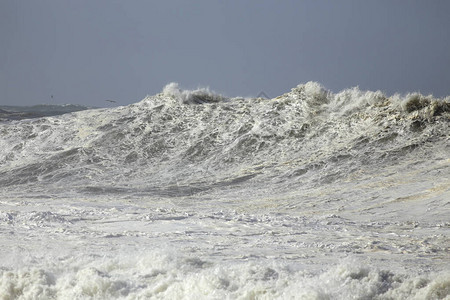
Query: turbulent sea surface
x: 191, y: 195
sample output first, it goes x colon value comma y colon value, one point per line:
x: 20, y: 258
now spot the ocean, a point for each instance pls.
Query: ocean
x: 189, y: 194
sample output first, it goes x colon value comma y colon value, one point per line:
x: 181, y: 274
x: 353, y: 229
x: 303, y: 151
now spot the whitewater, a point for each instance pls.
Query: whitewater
x: 189, y: 194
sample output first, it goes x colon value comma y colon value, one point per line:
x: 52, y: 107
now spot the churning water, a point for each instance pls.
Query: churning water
x: 189, y: 194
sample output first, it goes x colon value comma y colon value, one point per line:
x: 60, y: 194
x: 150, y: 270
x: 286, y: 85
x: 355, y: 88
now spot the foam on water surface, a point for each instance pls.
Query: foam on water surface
x: 160, y: 276
x: 310, y: 195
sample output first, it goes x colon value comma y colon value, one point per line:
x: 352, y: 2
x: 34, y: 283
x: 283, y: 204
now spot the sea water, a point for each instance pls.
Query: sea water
x: 192, y: 195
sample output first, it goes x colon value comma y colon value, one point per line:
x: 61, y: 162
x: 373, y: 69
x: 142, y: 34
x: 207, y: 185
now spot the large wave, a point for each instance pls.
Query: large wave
x: 193, y: 194
x: 202, y: 140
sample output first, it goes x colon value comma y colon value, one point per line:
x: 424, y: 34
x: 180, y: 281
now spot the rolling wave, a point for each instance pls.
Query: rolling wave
x: 189, y: 193
x: 205, y: 140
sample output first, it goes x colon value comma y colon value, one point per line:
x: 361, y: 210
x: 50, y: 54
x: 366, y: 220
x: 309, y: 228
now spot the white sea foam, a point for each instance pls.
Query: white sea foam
x: 200, y: 95
x: 162, y: 276
x: 189, y: 194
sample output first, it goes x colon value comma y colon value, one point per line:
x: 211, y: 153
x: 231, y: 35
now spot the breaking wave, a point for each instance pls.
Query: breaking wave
x: 274, y: 198
x: 162, y: 276
x: 309, y: 135
x: 198, y: 96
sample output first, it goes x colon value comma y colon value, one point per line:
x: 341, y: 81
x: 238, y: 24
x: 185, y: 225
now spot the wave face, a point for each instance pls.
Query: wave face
x: 307, y: 137
x: 302, y: 181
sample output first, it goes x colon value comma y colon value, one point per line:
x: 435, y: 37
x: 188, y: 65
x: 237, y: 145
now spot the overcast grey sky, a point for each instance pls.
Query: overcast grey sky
x: 88, y: 51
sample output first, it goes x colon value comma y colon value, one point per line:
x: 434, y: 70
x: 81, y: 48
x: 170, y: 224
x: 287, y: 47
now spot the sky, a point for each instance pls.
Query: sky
x: 89, y: 51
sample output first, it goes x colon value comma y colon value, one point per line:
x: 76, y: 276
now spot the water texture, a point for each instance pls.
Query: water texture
x: 190, y: 194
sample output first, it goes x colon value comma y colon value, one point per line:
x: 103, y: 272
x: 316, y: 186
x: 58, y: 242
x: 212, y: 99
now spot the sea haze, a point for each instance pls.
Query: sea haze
x: 8, y: 112
x: 190, y: 194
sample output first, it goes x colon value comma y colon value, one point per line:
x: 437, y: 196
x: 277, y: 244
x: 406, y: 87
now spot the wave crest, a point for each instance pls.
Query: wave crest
x: 198, y: 96
x: 309, y: 132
